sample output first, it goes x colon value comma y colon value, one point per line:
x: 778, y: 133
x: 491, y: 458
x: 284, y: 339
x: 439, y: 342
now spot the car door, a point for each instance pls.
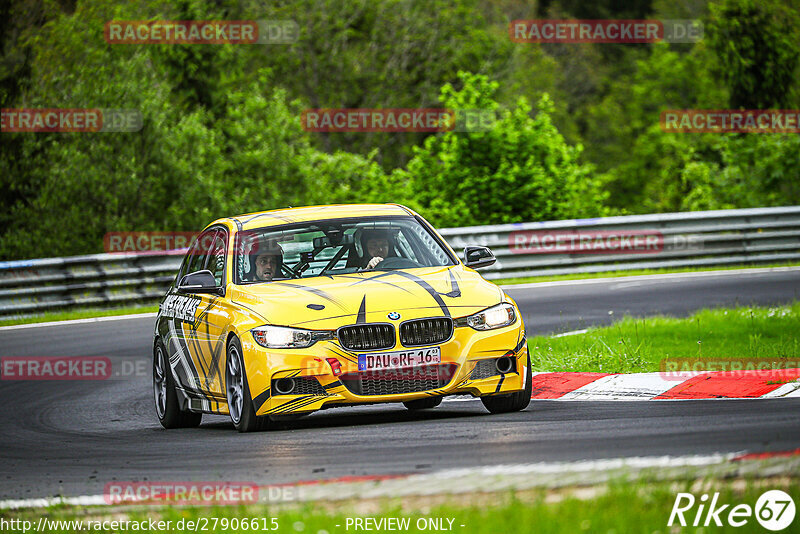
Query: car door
x: 205, y: 338
x: 178, y: 314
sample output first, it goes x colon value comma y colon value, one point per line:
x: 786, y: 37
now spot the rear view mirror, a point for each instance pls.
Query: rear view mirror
x: 477, y: 257
x: 334, y: 239
x: 322, y: 242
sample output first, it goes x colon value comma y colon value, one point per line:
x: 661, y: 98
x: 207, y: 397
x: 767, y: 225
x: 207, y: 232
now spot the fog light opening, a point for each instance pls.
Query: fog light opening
x: 284, y: 386
x: 504, y: 365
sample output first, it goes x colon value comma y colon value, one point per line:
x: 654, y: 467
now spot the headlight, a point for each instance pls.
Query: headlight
x: 283, y: 337
x: 490, y: 318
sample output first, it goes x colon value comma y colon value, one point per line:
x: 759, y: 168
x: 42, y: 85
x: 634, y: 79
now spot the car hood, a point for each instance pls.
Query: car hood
x: 327, y: 302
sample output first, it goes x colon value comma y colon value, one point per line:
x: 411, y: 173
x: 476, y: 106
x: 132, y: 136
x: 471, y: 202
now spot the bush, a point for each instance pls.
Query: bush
x: 520, y: 170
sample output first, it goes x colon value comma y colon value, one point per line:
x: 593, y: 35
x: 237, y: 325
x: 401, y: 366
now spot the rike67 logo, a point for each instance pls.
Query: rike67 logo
x: 774, y: 510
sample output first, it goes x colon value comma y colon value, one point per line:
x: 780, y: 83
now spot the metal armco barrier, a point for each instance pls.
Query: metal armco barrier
x: 691, y: 239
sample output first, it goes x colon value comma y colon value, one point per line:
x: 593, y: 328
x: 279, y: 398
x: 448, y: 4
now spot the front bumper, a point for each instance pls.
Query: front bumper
x: 321, y: 388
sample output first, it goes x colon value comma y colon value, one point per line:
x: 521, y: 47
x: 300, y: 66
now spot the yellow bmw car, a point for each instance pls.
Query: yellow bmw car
x: 282, y: 313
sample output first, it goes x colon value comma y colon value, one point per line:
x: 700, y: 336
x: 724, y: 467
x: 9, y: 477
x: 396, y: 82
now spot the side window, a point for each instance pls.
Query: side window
x: 216, y: 260
x: 197, y: 255
x: 406, y: 251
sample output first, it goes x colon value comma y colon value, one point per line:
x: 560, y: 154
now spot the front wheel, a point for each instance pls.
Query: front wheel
x: 515, y: 401
x: 168, y: 409
x: 240, y: 403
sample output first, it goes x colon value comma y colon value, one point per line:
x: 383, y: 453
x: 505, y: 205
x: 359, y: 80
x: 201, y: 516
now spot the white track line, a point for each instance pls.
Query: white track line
x: 646, y: 277
x: 81, y: 321
x: 85, y: 500
x: 571, y: 333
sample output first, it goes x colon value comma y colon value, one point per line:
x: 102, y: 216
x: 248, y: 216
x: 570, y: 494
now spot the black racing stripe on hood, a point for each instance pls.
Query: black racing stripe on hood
x: 419, y: 281
x: 376, y: 280
x: 318, y: 292
x: 391, y: 284
x: 427, y: 287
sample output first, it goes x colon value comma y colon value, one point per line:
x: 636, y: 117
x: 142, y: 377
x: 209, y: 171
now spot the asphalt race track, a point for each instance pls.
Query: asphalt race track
x: 71, y: 438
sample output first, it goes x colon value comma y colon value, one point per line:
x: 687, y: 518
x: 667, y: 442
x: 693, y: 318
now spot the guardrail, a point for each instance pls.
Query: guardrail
x: 691, y: 239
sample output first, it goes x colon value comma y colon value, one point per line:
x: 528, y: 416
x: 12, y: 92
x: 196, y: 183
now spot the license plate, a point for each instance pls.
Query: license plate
x: 399, y: 359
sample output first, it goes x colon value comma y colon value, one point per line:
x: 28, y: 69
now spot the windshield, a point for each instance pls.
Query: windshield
x: 339, y: 246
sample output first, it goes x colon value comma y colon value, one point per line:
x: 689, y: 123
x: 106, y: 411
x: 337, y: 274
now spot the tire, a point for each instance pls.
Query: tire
x: 237, y: 391
x: 423, y: 404
x: 168, y: 408
x: 514, y: 402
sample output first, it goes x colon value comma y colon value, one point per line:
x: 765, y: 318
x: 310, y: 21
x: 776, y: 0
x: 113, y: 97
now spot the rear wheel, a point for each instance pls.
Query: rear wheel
x: 168, y: 408
x: 240, y: 403
x: 515, y: 401
x: 423, y: 404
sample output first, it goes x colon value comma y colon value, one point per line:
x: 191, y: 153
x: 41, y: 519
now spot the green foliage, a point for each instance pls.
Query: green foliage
x: 757, y: 46
x: 519, y: 170
x: 222, y: 133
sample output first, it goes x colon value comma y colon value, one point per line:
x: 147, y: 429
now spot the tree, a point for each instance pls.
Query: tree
x: 758, y: 51
x: 519, y: 170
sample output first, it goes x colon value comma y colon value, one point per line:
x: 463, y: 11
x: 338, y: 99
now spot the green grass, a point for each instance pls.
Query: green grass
x: 639, y: 345
x: 635, y: 272
x: 79, y: 314
x: 620, y: 508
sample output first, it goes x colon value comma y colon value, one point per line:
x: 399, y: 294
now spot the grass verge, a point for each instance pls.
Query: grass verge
x: 618, y: 507
x: 635, y: 272
x: 79, y: 314
x: 639, y: 345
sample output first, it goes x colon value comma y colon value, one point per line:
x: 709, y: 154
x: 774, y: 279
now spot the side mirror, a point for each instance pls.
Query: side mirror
x: 199, y: 282
x: 477, y: 257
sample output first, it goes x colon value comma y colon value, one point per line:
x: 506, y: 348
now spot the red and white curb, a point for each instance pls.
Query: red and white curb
x: 779, y: 383
x: 485, y: 479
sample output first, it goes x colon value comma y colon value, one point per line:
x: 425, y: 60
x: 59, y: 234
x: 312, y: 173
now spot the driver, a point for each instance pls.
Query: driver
x: 377, y: 245
x: 266, y: 261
